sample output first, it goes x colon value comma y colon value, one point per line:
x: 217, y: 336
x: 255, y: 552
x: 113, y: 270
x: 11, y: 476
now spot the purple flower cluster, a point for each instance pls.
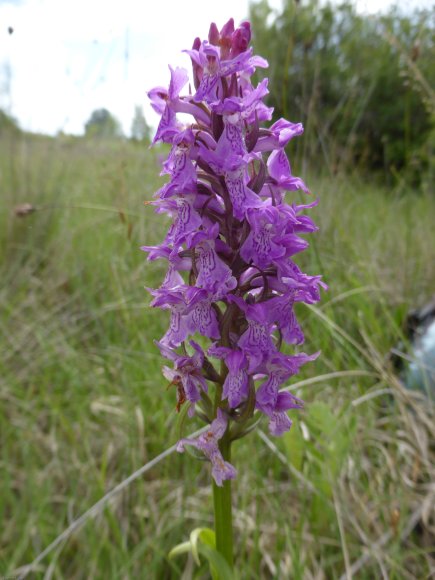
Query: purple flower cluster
x: 231, y: 277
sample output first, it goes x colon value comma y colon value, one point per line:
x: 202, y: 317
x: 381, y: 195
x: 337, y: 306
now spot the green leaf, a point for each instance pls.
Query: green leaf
x: 295, y: 445
x: 206, y: 535
x: 183, y: 548
x: 219, y: 566
x: 181, y: 420
x: 202, y: 542
x: 321, y: 418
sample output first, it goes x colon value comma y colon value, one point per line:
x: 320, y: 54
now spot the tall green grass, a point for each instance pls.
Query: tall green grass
x: 84, y: 404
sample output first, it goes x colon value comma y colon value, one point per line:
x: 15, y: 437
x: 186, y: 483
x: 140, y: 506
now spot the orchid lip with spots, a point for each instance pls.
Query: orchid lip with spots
x: 232, y: 281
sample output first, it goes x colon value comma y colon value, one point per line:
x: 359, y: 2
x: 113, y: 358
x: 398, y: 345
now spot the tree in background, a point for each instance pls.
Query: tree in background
x: 103, y: 124
x: 140, y: 130
x: 360, y: 84
x: 8, y: 123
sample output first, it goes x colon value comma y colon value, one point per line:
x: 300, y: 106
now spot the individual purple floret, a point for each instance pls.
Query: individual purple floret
x: 208, y: 444
x: 186, y: 374
x: 236, y: 230
x: 235, y: 387
x: 279, y: 421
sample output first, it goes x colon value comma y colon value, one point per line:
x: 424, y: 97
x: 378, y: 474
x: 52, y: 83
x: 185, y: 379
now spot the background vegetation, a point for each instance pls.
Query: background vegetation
x: 362, y: 85
x: 83, y: 404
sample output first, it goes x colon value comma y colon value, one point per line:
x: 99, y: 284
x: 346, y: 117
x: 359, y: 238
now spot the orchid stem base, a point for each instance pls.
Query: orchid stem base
x: 223, y: 516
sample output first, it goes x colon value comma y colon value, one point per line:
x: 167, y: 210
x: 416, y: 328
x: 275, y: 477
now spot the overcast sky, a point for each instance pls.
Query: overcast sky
x: 66, y: 58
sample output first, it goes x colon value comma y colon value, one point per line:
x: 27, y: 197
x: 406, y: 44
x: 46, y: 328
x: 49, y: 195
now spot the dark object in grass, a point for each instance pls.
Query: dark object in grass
x: 418, y: 321
x: 24, y: 209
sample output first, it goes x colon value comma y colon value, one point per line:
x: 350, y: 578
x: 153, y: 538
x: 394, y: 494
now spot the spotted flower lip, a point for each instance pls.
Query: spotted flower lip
x: 232, y: 288
x: 212, y: 271
x: 264, y: 242
x: 236, y: 385
x: 191, y: 312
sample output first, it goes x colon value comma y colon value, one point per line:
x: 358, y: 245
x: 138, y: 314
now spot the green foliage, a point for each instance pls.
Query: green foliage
x: 83, y: 403
x: 8, y: 123
x: 102, y: 124
x: 361, y: 85
x: 319, y: 451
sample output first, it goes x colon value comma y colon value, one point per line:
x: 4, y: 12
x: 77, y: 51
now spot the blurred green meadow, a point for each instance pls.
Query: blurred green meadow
x: 84, y: 404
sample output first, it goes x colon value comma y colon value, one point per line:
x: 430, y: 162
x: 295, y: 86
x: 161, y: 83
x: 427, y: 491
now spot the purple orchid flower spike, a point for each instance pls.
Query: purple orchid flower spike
x: 208, y: 444
x: 232, y: 281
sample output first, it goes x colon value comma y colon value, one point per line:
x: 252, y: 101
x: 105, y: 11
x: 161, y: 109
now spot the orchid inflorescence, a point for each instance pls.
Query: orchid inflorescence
x: 231, y: 277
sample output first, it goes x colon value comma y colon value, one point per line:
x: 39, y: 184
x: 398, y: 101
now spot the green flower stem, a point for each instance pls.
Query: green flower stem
x: 223, y: 516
